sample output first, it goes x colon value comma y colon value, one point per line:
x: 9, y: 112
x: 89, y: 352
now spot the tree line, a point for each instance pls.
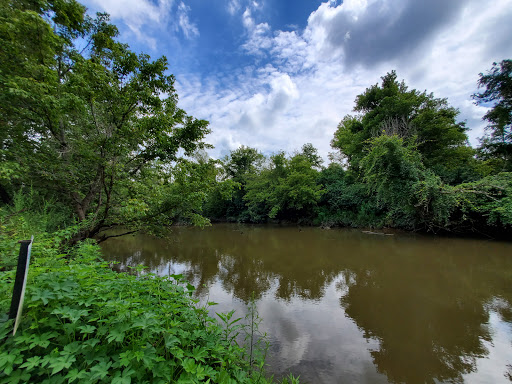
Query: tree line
x: 94, y: 131
x: 401, y: 160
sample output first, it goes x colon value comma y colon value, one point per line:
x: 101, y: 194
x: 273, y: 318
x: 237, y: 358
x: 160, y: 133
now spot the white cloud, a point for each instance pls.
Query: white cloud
x: 259, y: 36
x: 137, y: 15
x: 146, y: 19
x: 189, y: 29
x: 310, y: 83
x: 233, y: 7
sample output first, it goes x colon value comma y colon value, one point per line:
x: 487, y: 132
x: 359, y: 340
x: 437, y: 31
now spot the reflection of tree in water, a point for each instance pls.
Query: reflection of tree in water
x: 431, y: 318
x: 248, y: 260
x: 199, y: 265
x: 258, y: 259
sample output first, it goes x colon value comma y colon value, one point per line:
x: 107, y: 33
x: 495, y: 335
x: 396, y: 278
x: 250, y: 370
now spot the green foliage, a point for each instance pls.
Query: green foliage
x: 88, y: 120
x: 416, y: 117
x: 286, y: 190
x: 348, y: 202
x: 434, y: 203
x: 85, y: 323
x: 390, y: 169
x: 487, y: 202
x: 497, y: 144
x: 242, y: 162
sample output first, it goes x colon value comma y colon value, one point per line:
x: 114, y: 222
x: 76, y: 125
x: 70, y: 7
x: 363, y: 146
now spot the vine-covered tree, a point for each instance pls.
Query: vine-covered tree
x: 498, y: 90
x: 287, y: 189
x: 416, y: 117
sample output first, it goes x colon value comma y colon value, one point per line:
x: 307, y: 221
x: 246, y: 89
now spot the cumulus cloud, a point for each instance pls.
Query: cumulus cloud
x: 310, y: 78
x: 368, y: 32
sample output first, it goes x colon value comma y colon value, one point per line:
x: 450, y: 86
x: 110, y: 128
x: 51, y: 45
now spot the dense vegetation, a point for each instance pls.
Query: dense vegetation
x: 96, y: 129
x: 85, y: 323
x: 402, y: 161
x: 91, y: 137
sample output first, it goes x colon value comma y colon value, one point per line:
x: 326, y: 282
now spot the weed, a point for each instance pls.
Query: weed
x: 85, y: 323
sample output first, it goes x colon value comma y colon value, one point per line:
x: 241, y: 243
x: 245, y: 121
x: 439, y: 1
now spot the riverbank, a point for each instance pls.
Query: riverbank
x: 83, y: 322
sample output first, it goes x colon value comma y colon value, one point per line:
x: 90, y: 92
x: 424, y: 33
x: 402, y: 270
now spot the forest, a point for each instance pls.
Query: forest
x: 401, y: 161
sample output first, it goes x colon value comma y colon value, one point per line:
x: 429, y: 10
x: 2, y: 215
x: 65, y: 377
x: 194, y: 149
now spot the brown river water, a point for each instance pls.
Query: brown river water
x: 344, y: 306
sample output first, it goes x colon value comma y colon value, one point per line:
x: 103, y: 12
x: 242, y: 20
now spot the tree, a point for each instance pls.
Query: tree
x: 416, y: 117
x: 410, y: 194
x: 88, y: 119
x: 242, y: 162
x: 310, y: 153
x: 287, y: 190
x: 498, y: 90
x: 240, y: 165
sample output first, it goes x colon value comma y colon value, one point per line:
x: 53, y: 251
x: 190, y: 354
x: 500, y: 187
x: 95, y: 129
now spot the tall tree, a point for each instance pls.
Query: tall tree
x: 240, y: 165
x: 416, y: 117
x: 287, y: 189
x: 498, y: 91
x: 85, y: 116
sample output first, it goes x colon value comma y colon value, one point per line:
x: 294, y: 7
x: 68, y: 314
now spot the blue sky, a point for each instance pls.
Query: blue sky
x: 275, y: 74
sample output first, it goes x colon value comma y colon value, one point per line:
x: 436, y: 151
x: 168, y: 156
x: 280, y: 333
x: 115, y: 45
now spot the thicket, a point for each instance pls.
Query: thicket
x: 92, y: 138
x: 401, y: 161
x: 83, y: 322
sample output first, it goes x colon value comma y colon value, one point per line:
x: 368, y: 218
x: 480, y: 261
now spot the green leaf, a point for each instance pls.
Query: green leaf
x: 124, y: 378
x: 75, y: 374
x: 189, y: 365
x: 171, y: 341
x: 86, y: 329
x: 100, y: 370
x: 62, y: 362
x: 31, y: 362
x: 44, y: 295
x: 126, y: 357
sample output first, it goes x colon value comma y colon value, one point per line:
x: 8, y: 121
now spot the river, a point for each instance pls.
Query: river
x: 344, y: 306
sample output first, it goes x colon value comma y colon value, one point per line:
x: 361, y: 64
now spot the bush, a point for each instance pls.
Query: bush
x: 83, y: 322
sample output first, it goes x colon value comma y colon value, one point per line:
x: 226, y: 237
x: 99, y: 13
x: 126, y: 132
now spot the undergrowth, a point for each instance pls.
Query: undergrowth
x: 84, y: 323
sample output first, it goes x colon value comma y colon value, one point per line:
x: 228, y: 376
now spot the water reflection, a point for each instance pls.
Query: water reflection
x: 344, y: 306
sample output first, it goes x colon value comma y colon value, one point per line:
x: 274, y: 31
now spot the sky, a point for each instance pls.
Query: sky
x: 276, y: 74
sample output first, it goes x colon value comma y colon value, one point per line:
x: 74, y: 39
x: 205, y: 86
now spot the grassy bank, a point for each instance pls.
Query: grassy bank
x: 82, y: 322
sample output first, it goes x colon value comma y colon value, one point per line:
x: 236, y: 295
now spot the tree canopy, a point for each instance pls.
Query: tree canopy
x: 416, y: 117
x: 95, y: 128
x: 84, y: 117
x: 498, y: 92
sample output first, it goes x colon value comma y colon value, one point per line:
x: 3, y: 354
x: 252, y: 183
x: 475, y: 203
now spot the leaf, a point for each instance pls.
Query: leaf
x: 75, y: 374
x: 31, y: 362
x: 116, y: 335
x: 86, y: 329
x: 18, y: 376
x: 170, y: 341
x: 61, y: 362
x: 199, y: 353
x: 126, y: 357
x: 73, y: 348
x: 44, y: 295
x: 189, y: 365
x: 100, y: 370
x: 124, y: 378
